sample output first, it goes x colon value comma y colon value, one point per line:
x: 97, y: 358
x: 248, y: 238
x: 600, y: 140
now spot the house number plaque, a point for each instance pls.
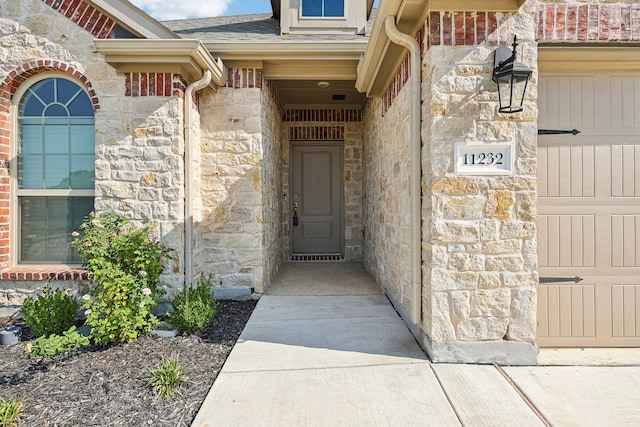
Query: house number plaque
x: 483, y: 159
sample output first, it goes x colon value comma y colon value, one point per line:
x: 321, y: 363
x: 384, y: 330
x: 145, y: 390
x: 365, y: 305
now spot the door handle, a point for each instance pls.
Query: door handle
x: 576, y: 279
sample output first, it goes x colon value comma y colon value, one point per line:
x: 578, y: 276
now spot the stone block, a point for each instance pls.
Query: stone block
x: 482, y: 329
x: 522, y: 326
x: 491, y: 303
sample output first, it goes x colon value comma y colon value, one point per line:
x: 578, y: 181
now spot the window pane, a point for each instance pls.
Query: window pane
x: 311, y: 7
x: 44, y: 89
x: 81, y: 106
x: 82, y: 139
x: 31, y: 172
x: 333, y: 7
x: 31, y: 106
x: 56, y: 172
x: 31, y: 139
x: 56, y: 110
x: 46, y: 224
x: 56, y: 139
x: 66, y: 90
x: 82, y: 172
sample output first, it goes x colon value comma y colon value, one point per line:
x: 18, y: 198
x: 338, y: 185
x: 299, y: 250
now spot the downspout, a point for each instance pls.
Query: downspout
x: 188, y: 174
x: 413, y: 46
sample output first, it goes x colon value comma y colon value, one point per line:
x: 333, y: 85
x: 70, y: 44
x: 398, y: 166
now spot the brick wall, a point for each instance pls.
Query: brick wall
x: 85, y: 16
x: 154, y: 84
x: 582, y: 22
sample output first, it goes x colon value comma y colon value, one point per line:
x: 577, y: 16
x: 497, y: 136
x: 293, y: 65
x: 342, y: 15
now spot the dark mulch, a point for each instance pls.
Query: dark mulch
x: 100, y: 386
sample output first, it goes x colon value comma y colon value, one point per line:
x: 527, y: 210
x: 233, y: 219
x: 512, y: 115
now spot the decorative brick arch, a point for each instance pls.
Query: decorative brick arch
x: 8, y: 89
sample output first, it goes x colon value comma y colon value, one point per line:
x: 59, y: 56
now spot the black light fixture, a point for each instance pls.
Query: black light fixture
x: 512, y: 78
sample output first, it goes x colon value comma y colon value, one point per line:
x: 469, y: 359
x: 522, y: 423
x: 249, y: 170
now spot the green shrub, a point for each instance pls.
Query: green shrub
x: 193, y: 308
x: 52, y: 312
x: 167, y: 378
x: 50, y: 346
x: 126, y: 263
x: 11, y: 411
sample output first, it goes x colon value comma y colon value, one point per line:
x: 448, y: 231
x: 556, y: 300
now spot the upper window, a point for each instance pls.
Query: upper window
x: 322, y: 8
x: 56, y: 169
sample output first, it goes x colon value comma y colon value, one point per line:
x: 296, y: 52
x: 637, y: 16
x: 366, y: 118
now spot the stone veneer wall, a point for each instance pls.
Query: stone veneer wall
x: 329, y: 125
x: 479, y: 232
x: 241, y: 182
x: 139, y: 144
x: 387, y: 210
x: 272, y: 184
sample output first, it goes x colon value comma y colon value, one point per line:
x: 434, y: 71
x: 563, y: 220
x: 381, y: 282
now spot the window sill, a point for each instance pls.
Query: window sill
x: 44, y: 273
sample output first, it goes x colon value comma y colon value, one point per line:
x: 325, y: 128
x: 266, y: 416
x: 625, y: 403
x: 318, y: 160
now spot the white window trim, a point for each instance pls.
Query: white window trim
x: 15, y: 193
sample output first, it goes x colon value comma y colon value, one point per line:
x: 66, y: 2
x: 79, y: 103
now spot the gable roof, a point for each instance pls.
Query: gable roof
x: 254, y: 28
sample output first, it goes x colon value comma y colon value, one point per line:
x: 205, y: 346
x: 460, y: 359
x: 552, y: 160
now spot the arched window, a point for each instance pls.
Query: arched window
x: 56, y: 169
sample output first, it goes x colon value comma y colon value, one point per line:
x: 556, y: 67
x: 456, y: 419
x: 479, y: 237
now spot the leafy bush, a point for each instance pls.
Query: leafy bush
x: 193, y: 308
x: 52, y: 345
x: 52, y: 312
x: 126, y: 263
x: 11, y: 411
x: 167, y: 378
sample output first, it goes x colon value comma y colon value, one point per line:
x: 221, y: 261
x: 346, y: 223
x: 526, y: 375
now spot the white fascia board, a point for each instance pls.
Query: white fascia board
x: 333, y: 50
x: 189, y: 53
x: 134, y: 19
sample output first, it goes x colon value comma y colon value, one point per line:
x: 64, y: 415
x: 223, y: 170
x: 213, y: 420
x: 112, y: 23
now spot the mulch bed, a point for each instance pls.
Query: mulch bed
x: 99, y: 386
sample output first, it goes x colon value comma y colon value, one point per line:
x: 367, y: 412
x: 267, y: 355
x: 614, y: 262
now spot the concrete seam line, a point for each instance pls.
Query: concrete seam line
x: 523, y: 396
x: 453, y: 407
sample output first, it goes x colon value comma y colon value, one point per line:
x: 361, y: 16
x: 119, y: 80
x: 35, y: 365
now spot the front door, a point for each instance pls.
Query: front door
x: 316, y: 202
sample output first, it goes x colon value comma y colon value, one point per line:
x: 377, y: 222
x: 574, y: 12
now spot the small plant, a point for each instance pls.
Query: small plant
x: 52, y: 312
x: 126, y: 262
x: 11, y: 411
x: 193, y: 308
x: 167, y: 377
x: 50, y: 346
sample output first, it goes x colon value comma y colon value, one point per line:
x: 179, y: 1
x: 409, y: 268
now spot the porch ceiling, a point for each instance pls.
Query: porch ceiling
x: 307, y: 92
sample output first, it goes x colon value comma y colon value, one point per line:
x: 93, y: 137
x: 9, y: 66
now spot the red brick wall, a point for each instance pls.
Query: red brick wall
x: 243, y: 78
x: 402, y: 74
x: 468, y: 28
x: 154, y: 84
x: 8, y: 88
x: 85, y: 16
x: 588, y: 22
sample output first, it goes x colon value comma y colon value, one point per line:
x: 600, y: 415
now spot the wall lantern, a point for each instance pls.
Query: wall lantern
x: 512, y: 78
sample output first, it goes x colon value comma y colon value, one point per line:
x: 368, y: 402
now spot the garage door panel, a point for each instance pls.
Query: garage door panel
x: 624, y: 313
x: 566, y: 240
x: 571, y: 309
x: 625, y: 237
x: 566, y: 102
x: 624, y: 101
x: 567, y: 171
x: 625, y: 177
x: 589, y: 210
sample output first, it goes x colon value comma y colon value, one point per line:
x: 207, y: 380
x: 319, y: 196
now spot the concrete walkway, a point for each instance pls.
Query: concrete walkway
x: 349, y: 360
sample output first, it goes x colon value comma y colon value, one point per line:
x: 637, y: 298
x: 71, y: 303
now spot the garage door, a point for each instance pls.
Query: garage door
x: 589, y: 210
